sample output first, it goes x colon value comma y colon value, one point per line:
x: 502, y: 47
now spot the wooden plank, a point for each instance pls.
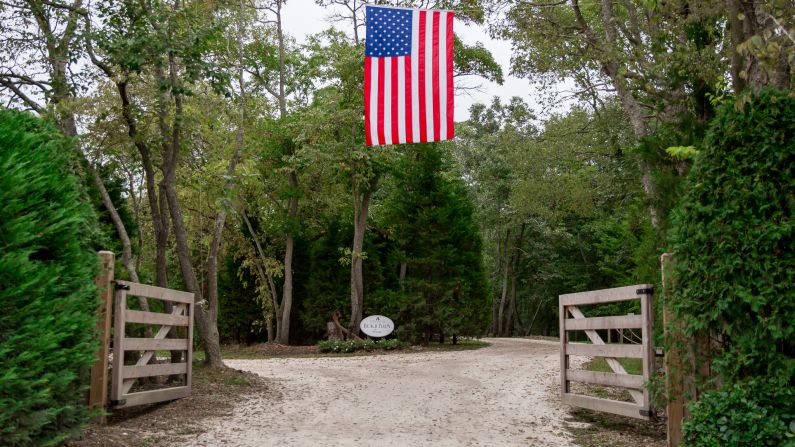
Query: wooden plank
x: 612, y: 351
x: 150, y: 344
x: 98, y: 391
x: 564, y: 357
x: 158, y: 293
x: 610, y: 406
x: 613, y: 322
x: 604, y: 378
x: 648, y: 344
x: 674, y: 366
x: 137, y: 316
x: 178, y: 309
x: 118, y: 345
x: 160, y: 369
x: 614, y: 364
x: 148, y: 397
x: 189, y: 353
x: 603, y: 296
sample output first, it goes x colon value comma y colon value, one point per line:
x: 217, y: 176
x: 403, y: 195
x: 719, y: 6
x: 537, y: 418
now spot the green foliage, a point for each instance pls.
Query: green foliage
x: 574, y: 187
x: 733, y: 239
x: 431, y: 217
x: 747, y: 413
x: 348, y: 346
x: 47, y: 293
x: 682, y: 152
x: 240, y: 317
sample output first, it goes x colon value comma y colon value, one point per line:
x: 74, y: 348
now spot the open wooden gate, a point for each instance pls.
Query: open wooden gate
x: 573, y: 319
x: 125, y: 376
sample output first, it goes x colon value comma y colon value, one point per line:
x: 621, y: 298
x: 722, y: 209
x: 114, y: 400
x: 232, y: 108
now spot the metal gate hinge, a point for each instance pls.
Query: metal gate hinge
x: 647, y: 291
x: 646, y: 413
x: 122, y: 286
x: 116, y: 403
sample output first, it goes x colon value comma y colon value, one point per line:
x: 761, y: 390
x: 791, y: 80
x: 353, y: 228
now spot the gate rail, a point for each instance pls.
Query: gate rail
x: 635, y: 384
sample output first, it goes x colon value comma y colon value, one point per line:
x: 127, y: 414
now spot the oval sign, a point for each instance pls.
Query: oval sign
x: 377, y: 326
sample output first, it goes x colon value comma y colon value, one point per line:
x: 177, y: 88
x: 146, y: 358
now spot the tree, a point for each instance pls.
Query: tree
x: 443, y: 285
x: 663, y: 60
x: 47, y: 298
x: 171, y: 44
x: 49, y: 53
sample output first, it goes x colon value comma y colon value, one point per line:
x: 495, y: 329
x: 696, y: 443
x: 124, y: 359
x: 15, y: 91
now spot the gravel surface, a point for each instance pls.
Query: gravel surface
x: 502, y: 395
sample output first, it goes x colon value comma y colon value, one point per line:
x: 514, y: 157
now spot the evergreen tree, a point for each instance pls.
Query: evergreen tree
x: 47, y: 293
x: 444, y: 288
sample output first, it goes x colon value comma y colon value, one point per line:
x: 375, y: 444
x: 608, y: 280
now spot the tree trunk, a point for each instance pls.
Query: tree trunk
x: 509, y: 320
x: 506, y: 270
x: 126, y: 246
x: 287, y: 292
x: 514, y: 264
x: 361, y: 210
x: 737, y: 38
x: 402, y: 277
x: 206, y: 309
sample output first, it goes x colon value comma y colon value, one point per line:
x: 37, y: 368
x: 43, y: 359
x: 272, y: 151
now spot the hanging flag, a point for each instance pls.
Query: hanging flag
x: 408, y: 76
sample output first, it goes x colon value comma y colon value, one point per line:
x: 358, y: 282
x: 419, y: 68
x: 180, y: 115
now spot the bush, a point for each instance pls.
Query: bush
x: 733, y: 236
x: 348, y: 346
x: 753, y: 413
x: 47, y: 294
x: 733, y: 240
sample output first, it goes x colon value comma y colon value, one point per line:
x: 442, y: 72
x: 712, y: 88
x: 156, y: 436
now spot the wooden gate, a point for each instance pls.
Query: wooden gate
x: 573, y: 319
x: 125, y: 376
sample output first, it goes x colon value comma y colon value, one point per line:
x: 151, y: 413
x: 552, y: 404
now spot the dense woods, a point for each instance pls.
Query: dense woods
x: 223, y: 157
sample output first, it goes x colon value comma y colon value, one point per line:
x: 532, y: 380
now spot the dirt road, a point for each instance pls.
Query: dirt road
x: 502, y: 395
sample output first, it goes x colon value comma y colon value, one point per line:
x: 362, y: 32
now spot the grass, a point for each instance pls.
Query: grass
x: 598, y: 429
x: 633, y: 366
x: 464, y: 344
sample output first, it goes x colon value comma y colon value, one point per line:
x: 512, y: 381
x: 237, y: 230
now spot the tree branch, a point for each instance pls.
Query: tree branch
x: 21, y: 95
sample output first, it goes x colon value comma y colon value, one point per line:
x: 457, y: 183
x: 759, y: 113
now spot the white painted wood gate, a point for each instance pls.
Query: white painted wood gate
x: 573, y: 319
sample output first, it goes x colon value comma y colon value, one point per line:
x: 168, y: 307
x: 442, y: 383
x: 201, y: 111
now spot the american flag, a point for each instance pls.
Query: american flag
x: 408, y: 76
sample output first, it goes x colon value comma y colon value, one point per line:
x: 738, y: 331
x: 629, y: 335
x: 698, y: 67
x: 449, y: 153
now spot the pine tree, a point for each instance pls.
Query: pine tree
x: 444, y: 289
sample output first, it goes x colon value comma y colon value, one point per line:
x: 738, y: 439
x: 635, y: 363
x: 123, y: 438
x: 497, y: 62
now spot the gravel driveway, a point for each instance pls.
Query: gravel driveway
x: 502, y: 395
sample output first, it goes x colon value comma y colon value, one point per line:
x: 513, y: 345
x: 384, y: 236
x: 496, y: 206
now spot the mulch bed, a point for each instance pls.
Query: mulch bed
x: 215, y: 393
x: 597, y: 429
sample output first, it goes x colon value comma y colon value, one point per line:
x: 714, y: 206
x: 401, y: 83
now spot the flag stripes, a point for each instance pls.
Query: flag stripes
x: 409, y: 97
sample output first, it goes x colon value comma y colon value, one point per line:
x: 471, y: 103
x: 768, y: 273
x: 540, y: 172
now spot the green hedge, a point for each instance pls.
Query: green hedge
x: 733, y: 241
x: 47, y: 295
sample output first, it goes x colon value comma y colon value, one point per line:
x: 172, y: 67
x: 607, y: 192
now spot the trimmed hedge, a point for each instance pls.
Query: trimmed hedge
x: 47, y: 292
x: 733, y: 237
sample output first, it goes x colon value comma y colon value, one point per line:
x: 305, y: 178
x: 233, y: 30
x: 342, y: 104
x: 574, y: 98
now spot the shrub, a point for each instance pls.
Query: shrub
x: 745, y: 413
x: 733, y: 236
x: 733, y: 240
x: 47, y: 295
x: 349, y: 346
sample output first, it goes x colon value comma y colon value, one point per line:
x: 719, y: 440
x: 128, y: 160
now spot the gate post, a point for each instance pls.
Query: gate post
x: 674, y: 371
x: 98, y: 392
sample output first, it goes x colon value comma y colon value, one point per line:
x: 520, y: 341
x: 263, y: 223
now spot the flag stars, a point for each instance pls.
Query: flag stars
x: 388, y: 32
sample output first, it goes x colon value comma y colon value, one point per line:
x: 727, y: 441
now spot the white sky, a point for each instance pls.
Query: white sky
x: 305, y: 17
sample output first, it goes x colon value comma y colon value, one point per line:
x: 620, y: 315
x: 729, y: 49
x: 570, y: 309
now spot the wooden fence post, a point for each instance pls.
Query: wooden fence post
x: 98, y: 392
x: 674, y: 365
